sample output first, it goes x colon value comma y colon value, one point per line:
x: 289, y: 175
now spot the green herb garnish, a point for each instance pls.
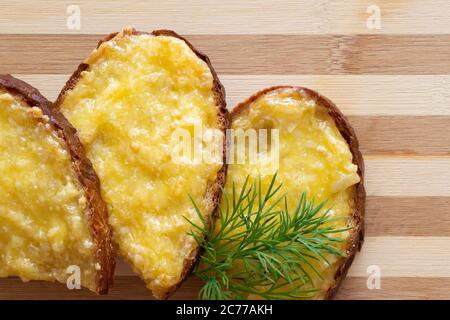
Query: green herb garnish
x: 254, y: 247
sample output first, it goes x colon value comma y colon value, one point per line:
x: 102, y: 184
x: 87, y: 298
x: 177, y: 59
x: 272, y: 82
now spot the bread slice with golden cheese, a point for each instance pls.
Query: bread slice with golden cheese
x: 317, y: 153
x: 127, y: 100
x: 53, y: 221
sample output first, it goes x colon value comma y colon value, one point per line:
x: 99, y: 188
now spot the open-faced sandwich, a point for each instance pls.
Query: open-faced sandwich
x: 53, y: 221
x: 291, y: 216
x: 127, y: 99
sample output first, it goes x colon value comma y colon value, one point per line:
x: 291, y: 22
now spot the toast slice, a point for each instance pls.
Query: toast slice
x: 53, y: 220
x: 127, y: 100
x: 318, y: 154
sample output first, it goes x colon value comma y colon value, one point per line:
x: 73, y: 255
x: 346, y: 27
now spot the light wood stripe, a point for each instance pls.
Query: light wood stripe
x: 357, y: 95
x: 361, y: 95
x: 404, y: 256
x: 408, y: 177
x: 228, y: 17
x: 253, y: 54
x: 131, y: 287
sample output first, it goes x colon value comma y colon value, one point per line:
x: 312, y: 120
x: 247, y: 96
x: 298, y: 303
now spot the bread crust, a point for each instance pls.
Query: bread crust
x: 214, y: 189
x: 87, y: 178
x: 356, y: 237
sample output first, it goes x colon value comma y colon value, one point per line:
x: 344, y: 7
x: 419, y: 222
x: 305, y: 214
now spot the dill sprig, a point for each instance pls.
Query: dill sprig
x: 257, y: 247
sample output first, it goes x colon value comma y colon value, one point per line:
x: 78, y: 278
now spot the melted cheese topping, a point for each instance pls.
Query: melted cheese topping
x: 126, y: 107
x: 313, y: 157
x: 43, y: 228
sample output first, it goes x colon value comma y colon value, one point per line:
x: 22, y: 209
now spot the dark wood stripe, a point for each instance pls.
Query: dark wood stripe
x: 254, y: 54
x: 414, y: 216
x: 125, y: 287
x: 131, y: 287
x: 399, y: 135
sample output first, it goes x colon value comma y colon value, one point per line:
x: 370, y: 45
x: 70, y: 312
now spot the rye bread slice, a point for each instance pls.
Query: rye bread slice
x: 97, y: 216
x: 213, y: 193
x: 356, y: 237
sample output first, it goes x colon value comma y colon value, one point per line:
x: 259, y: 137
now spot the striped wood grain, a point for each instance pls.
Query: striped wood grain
x: 356, y: 95
x: 253, y: 54
x: 131, y: 287
x: 228, y: 17
x: 392, y: 83
x: 407, y: 176
x: 396, y: 256
x: 401, y: 121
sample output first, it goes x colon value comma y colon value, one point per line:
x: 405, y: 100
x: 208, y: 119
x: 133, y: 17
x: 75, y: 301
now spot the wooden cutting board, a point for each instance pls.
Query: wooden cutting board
x: 393, y: 82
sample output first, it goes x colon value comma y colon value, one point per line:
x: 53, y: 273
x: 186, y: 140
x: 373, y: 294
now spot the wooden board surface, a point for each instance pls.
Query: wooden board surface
x: 392, y: 82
